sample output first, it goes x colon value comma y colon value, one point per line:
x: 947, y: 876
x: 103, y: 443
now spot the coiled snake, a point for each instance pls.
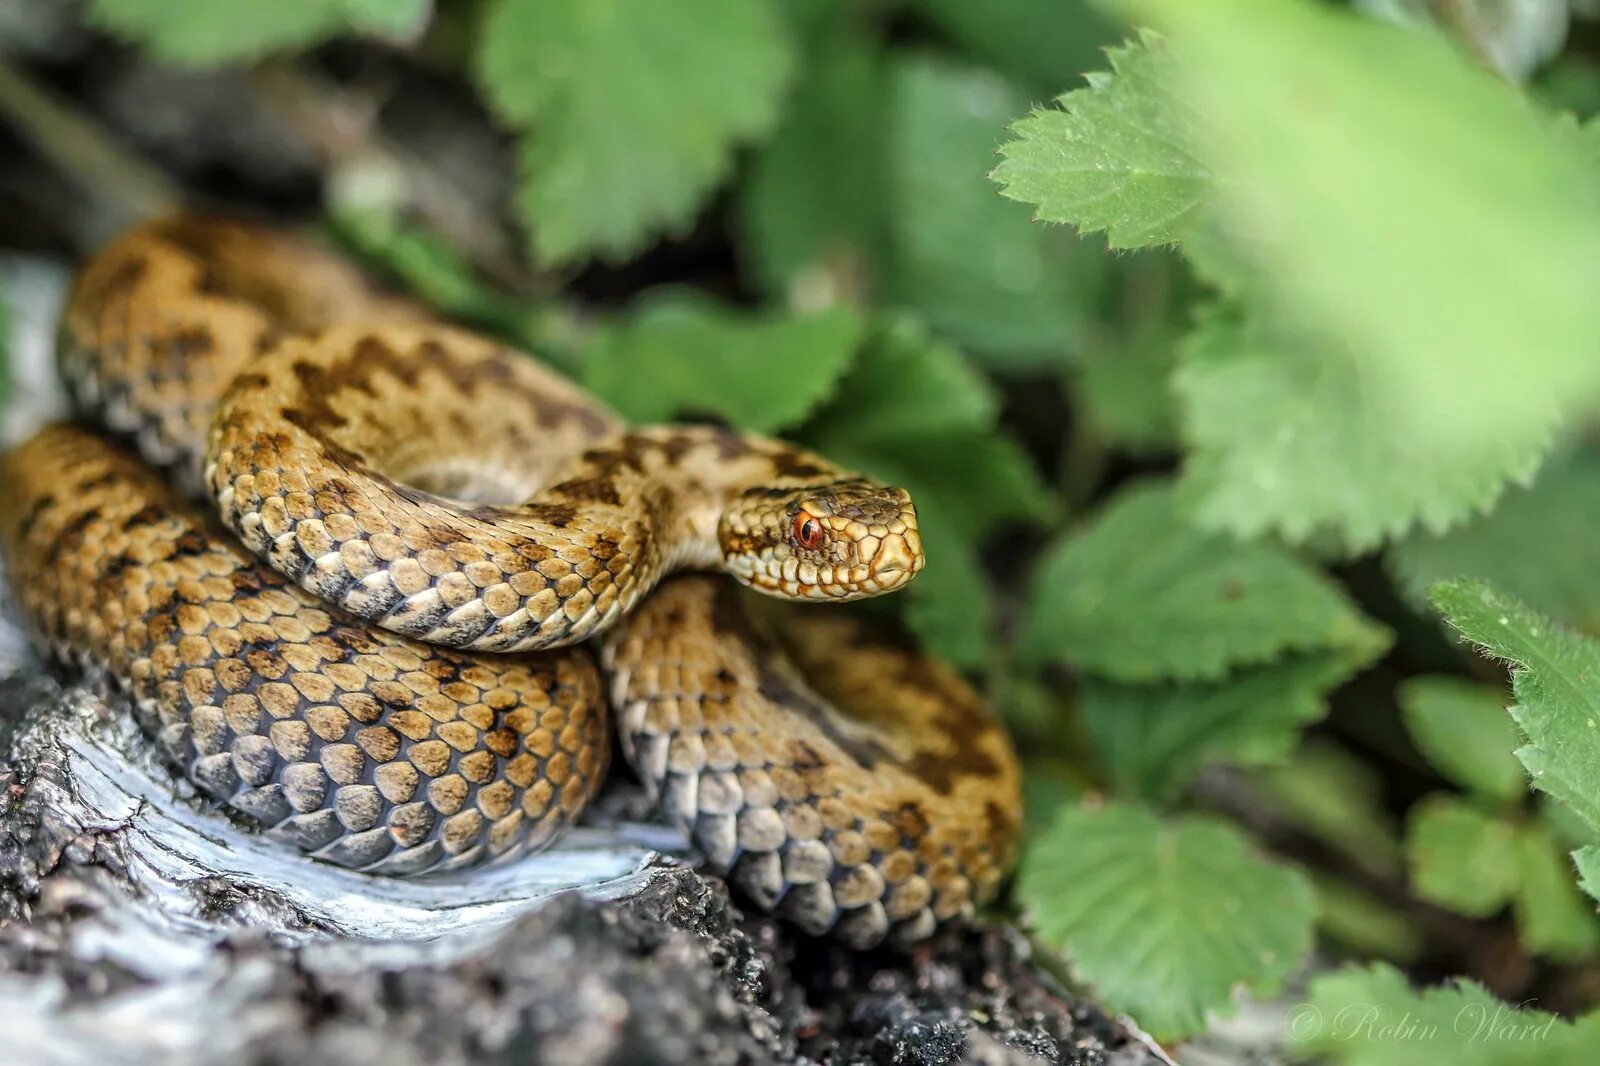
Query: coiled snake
x: 419, y: 516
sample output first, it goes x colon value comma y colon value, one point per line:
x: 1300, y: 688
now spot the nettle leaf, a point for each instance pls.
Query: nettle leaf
x: 679, y: 354
x: 1115, y: 156
x: 1142, y: 595
x: 1155, y: 739
x: 1165, y: 918
x: 1370, y: 1016
x: 1460, y: 857
x: 632, y: 109
x: 971, y: 264
x: 1362, y: 174
x: 220, y: 31
x: 1554, y: 678
x: 798, y: 217
x: 914, y: 412
x: 1538, y: 544
x: 1465, y: 732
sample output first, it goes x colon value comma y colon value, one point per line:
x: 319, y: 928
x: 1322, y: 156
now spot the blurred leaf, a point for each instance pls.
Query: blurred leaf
x: 971, y: 264
x: 681, y: 354
x: 1114, y: 156
x: 1044, y: 794
x: 1570, y: 83
x: 1043, y: 44
x: 1553, y: 678
x: 1141, y: 595
x: 632, y: 110
x: 950, y: 606
x: 1364, y: 173
x: 907, y: 385
x: 220, y: 31
x: 1364, y: 925
x: 438, y: 274
x: 1369, y: 1016
x: 798, y: 215
x: 1553, y: 917
x: 1460, y: 857
x: 1465, y: 732
x: 1538, y: 544
x: 1127, y: 391
x: 1155, y: 739
x: 1164, y: 919
x: 913, y: 412
x: 1122, y: 382
x: 1336, y: 798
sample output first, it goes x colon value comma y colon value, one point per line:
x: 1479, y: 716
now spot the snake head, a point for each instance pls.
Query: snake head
x: 841, y: 540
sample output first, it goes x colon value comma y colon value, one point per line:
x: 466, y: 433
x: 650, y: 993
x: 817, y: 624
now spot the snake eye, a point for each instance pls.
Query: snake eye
x: 807, y: 531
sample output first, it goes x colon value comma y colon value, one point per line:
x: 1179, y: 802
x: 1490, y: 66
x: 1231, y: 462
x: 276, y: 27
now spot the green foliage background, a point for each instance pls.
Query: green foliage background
x: 1209, y: 336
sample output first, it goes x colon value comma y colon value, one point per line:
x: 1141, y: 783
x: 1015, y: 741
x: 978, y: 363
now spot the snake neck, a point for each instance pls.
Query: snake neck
x: 679, y: 483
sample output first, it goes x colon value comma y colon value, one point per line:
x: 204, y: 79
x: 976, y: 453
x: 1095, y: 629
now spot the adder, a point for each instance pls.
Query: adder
x: 369, y: 639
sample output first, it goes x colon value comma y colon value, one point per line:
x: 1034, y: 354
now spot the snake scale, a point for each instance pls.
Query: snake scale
x: 352, y: 608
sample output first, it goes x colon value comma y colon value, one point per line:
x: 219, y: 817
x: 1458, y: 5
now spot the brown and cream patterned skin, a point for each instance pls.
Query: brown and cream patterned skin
x: 393, y: 471
x: 356, y: 745
x: 876, y: 822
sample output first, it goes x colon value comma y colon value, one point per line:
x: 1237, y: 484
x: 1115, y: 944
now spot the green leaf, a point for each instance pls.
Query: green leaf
x: 1553, y: 917
x: 1115, y: 156
x: 1460, y: 857
x: 1041, y: 43
x: 1285, y: 439
x: 1465, y: 732
x: 633, y: 109
x: 969, y: 263
x: 908, y: 385
x: 1122, y: 381
x: 913, y: 412
x: 1369, y: 1016
x: 219, y: 31
x: 950, y: 606
x: 1141, y: 595
x: 1587, y: 859
x: 1334, y: 797
x: 799, y: 220
x: 680, y: 354
x: 1538, y: 544
x: 1554, y: 680
x: 1363, y: 924
x: 1164, y: 919
x: 1155, y: 739
x: 1364, y: 174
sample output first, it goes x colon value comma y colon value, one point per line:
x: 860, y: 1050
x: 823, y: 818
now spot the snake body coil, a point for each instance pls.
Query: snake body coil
x: 397, y: 478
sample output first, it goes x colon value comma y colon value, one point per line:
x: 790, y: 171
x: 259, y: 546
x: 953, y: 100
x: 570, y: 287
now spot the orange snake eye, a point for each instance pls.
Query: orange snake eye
x: 807, y: 531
